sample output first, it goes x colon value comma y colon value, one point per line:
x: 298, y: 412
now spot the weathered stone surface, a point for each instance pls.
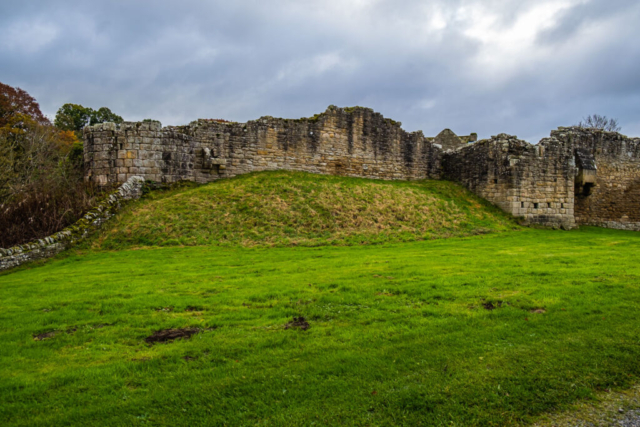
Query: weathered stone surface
x: 448, y: 140
x: 607, y: 192
x: 530, y: 181
x: 350, y: 142
x: 577, y: 176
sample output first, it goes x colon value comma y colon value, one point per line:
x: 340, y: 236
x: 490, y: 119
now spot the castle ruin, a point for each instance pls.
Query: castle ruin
x: 575, y: 177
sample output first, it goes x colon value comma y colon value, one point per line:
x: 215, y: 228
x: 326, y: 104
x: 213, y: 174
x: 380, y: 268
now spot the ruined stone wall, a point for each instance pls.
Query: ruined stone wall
x: 582, y: 176
x: 448, y: 140
x: 532, y: 182
x: 90, y: 222
x: 577, y: 176
x: 610, y: 195
x: 350, y: 142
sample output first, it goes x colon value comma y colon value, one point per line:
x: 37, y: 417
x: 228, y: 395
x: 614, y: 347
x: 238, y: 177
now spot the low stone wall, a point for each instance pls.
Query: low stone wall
x: 617, y: 225
x: 91, y: 221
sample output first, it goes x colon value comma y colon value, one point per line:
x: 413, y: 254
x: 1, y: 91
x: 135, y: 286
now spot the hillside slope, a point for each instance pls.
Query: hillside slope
x: 294, y: 208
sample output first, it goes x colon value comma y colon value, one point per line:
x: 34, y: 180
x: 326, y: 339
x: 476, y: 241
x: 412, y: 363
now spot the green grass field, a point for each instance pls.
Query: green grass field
x: 400, y: 333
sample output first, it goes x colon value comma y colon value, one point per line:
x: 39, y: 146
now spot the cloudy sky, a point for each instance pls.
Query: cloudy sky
x: 489, y: 66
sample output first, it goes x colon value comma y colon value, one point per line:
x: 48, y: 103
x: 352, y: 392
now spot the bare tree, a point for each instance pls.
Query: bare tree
x: 596, y: 121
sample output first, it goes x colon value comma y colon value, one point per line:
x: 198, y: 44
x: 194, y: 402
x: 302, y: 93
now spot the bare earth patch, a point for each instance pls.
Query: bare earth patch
x: 298, y: 322
x: 491, y: 306
x: 44, y: 336
x: 171, y: 334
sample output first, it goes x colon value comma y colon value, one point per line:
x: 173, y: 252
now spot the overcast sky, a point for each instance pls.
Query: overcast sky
x: 489, y: 66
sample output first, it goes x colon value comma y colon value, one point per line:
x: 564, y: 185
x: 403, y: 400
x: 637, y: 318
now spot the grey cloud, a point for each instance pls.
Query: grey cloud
x: 418, y: 62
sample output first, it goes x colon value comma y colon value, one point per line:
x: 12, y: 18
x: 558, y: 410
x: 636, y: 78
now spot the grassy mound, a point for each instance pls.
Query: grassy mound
x: 293, y: 208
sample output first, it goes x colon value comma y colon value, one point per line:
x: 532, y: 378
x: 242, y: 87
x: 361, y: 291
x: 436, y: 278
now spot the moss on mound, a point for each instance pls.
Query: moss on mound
x: 294, y: 208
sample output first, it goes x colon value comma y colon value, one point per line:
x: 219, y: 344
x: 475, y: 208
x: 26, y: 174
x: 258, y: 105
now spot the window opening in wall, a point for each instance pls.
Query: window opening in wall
x: 586, y: 188
x: 562, y: 205
x: 495, y: 181
x: 522, y: 204
x: 535, y: 206
x: 548, y: 205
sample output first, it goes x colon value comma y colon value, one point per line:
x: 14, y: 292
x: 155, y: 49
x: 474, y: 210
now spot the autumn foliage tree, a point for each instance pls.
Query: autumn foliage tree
x: 41, y: 178
x: 15, y: 102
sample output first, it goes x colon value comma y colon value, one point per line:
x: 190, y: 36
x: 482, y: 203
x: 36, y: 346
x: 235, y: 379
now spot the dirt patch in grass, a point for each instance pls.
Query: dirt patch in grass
x: 538, y: 310
x: 385, y: 294
x: 492, y: 305
x: 51, y: 334
x: 192, y: 308
x: 298, y: 322
x: 167, y: 335
x: 188, y: 358
x: 45, y: 336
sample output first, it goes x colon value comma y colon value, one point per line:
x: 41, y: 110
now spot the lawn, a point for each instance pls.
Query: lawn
x: 484, y: 330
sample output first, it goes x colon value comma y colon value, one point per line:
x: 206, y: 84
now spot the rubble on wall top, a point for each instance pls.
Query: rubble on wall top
x: 157, y: 126
x: 154, y: 125
x: 110, y: 126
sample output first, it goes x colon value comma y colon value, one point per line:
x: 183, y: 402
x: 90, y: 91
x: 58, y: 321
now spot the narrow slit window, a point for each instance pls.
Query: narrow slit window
x: 548, y: 205
x: 535, y: 206
x: 522, y: 204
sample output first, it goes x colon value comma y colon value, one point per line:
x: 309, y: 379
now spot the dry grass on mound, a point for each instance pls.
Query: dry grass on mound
x: 286, y: 208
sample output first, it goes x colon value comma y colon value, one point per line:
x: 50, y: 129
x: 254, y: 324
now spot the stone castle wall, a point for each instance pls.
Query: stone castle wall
x: 351, y: 142
x: 607, y: 183
x: 534, y: 182
x: 576, y: 176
